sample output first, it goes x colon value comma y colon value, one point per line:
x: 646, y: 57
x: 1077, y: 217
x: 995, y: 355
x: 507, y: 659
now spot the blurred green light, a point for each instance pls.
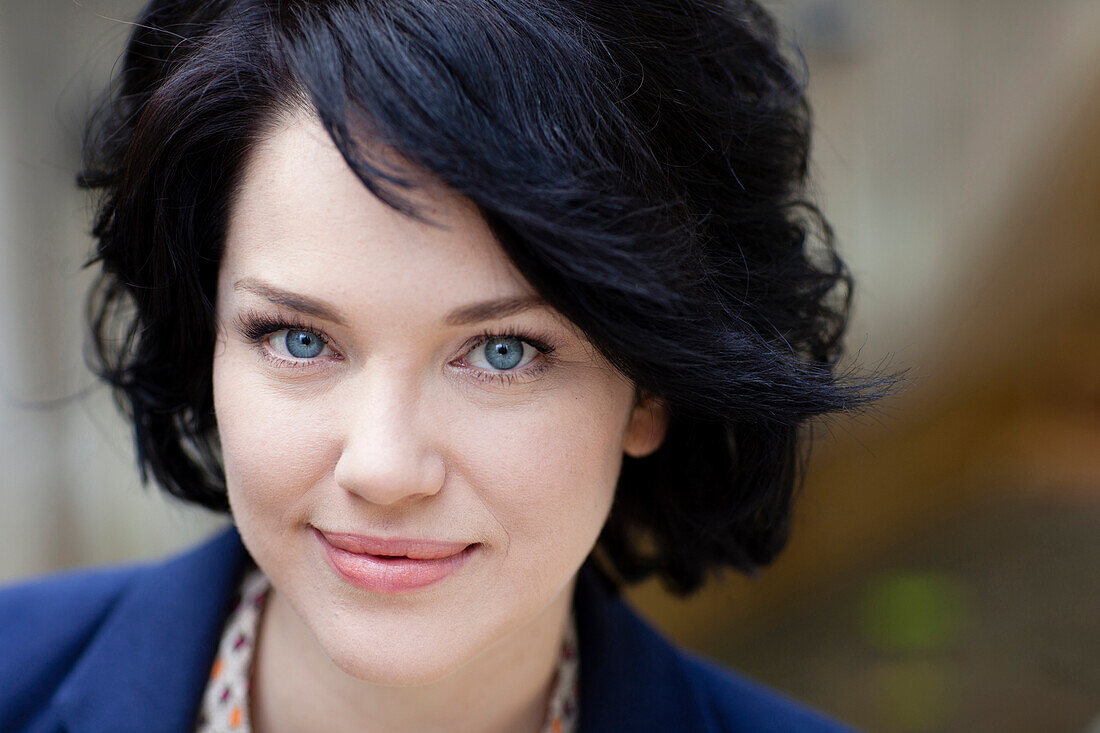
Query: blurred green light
x: 913, y: 611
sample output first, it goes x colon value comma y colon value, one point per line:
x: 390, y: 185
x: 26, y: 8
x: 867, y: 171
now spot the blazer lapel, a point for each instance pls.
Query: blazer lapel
x: 630, y: 677
x: 147, y: 666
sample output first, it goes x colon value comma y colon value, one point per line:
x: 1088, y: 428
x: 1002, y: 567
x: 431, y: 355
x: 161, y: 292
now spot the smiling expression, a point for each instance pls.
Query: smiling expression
x: 382, y: 378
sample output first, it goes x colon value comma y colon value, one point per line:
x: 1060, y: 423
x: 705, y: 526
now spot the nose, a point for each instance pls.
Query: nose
x: 386, y: 454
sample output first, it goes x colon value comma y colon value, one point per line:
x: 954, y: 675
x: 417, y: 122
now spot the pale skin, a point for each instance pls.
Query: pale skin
x: 399, y: 427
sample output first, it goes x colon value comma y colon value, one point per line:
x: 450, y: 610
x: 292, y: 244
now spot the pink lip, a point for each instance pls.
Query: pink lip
x: 392, y: 565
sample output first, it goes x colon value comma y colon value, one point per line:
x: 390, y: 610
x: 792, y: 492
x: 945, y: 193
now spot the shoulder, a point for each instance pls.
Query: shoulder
x: 740, y: 704
x: 631, y: 674
x: 724, y: 700
x: 85, y: 651
x: 45, y: 624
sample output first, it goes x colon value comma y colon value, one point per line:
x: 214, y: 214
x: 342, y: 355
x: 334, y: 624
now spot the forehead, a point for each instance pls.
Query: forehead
x: 302, y: 215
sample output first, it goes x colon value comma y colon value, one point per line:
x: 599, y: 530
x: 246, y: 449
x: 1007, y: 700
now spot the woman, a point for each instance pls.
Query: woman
x: 468, y: 313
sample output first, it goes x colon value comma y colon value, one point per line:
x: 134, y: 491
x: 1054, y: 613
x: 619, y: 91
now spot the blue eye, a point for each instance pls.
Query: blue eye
x: 303, y: 344
x: 502, y: 353
x: 297, y: 343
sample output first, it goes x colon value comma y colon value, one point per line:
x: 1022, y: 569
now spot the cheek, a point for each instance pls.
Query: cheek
x: 547, y: 471
x: 274, y: 443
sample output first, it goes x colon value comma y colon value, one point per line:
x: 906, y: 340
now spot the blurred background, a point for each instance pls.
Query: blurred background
x: 943, y: 573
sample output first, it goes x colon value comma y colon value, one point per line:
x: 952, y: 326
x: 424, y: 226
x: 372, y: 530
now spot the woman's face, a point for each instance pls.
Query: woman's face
x: 380, y: 379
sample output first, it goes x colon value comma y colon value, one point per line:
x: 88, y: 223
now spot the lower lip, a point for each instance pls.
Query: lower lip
x: 391, y: 574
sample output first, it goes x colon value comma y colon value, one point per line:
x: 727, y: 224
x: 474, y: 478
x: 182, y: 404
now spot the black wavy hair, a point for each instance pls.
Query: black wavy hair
x: 643, y: 164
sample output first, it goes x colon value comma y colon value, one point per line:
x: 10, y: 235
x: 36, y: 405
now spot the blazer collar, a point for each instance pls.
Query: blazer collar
x: 148, y: 665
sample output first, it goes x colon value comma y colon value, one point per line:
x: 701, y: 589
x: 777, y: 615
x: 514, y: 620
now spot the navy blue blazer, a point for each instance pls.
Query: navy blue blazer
x: 130, y: 648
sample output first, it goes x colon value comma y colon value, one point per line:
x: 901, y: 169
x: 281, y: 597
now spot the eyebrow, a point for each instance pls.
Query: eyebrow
x: 465, y: 315
x: 293, y: 301
x: 493, y: 309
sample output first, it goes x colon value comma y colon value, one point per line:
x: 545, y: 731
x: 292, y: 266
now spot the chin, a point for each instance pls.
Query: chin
x: 406, y: 662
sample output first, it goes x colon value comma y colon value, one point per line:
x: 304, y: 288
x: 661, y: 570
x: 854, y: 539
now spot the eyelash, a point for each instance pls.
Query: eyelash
x: 256, y: 327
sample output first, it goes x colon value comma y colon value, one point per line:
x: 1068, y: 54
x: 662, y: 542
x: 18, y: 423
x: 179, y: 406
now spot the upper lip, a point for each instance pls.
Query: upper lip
x: 414, y: 549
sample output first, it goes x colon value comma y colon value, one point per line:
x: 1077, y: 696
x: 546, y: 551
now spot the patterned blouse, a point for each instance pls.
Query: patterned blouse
x: 225, y: 701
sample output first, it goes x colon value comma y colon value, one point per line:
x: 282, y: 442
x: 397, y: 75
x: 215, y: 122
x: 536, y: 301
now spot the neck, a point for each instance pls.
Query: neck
x: 297, y: 687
